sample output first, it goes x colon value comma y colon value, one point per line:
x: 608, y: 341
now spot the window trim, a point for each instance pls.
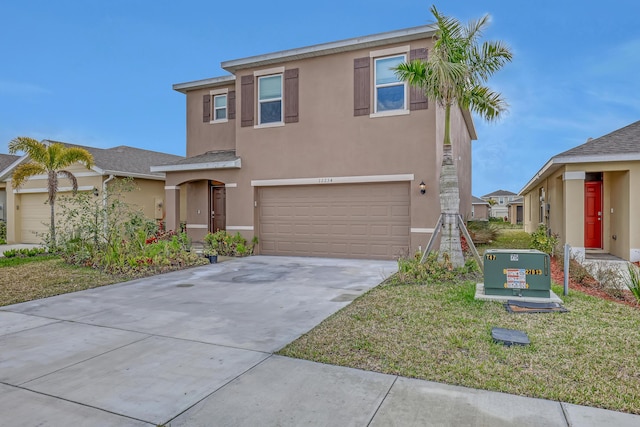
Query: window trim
x: 281, y: 99
x: 215, y: 109
x: 400, y: 111
x: 215, y: 93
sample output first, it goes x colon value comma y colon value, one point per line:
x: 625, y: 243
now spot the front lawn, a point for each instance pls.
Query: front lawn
x: 439, y: 332
x: 26, y: 279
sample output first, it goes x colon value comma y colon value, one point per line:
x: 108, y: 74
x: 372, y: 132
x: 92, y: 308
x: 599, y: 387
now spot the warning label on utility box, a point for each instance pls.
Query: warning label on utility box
x: 516, y: 278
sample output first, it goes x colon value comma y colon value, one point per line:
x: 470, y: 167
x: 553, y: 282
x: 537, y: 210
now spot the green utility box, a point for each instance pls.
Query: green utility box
x: 517, y: 272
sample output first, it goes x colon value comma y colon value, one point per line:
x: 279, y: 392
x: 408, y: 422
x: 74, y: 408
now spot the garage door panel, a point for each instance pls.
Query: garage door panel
x: 350, y: 221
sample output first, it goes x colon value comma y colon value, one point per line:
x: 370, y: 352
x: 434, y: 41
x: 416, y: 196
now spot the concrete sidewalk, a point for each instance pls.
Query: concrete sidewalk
x: 195, y: 348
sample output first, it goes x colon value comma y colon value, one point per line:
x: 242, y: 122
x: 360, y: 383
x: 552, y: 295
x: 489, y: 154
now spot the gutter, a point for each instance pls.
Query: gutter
x: 104, y: 201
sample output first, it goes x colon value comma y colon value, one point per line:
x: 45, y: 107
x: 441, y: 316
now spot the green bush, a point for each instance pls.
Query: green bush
x: 543, y: 240
x: 482, y: 232
x: 223, y: 243
x: 3, y: 232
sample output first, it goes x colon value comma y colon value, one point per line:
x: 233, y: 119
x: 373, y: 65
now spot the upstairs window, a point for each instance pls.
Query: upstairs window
x: 220, y: 108
x: 390, y: 92
x: 270, y: 99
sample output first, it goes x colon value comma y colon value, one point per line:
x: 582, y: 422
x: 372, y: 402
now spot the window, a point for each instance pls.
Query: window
x: 270, y: 99
x: 219, y: 108
x: 390, y: 91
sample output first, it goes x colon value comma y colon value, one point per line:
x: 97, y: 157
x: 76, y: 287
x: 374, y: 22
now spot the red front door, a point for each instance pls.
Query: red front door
x: 218, y: 197
x: 593, y: 214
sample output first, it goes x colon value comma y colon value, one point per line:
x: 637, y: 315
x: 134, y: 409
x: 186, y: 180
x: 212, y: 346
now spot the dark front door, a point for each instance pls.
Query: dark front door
x: 593, y: 214
x: 218, y: 209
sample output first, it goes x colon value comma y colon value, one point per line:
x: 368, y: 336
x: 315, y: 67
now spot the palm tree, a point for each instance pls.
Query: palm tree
x: 455, y: 75
x: 49, y: 159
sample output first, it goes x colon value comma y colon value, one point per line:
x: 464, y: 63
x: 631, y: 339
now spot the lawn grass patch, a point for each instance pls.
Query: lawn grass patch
x: 508, y: 239
x: 26, y: 279
x: 588, y: 356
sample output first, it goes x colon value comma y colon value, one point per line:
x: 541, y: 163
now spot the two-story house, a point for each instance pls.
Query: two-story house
x: 499, y: 201
x: 318, y: 151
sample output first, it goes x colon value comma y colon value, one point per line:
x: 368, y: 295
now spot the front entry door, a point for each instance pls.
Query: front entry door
x: 218, y: 209
x: 593, y: 214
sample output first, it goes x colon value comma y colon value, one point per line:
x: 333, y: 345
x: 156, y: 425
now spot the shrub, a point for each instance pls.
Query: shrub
x: 11, y: 253
x: 543, y: 240
x: 482, y: 232
x: 3, y: 232
x: 226, y: 244
x: 634, y: 285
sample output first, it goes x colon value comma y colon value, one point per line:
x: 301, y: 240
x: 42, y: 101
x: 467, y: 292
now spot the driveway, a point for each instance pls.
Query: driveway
x: 145, y: 351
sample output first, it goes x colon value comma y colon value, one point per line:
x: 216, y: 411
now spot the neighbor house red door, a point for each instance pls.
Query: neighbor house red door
x: 218, y: 209
x: 593, y: 214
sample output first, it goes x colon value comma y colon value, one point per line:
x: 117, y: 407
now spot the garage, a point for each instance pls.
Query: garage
x: 34, y: 214
x: 369, y: 221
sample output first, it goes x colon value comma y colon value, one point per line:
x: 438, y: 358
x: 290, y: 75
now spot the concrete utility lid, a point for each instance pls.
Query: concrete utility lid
x: 510, y: 337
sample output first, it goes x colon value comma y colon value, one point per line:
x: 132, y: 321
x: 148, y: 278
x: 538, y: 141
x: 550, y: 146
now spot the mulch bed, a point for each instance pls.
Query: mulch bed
x: 557, y: 276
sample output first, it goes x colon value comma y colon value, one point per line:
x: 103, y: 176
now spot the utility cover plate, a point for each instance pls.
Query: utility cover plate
x: 510, y: 337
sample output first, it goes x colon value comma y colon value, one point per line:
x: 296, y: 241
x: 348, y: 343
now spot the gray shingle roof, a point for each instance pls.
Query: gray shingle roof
x: 478, y: 201
x: 500, y: 193
x: 209, y: 157
x: 622, y: 141
x: 6, y: 160
x: 125, y: 160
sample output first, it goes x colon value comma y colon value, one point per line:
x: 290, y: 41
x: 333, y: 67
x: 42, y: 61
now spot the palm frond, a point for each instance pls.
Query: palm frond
x: 25, y: 170
x: 71, y: 177
x: 29, y: 146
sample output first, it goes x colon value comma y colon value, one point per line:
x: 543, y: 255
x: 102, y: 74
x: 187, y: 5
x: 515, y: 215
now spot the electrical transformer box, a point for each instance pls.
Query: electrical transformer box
x: 517, y: 272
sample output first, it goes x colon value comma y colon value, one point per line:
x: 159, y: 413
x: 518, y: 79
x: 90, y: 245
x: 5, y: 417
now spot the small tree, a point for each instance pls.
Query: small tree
x: 455, y: 75
x: 49, y: 159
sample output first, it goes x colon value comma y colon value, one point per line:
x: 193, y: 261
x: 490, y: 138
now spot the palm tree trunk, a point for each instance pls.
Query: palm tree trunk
x: 450, y: 245
x: 52, y: 227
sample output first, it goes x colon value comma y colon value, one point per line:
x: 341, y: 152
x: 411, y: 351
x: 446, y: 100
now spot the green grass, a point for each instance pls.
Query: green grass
x: 588, y: 356
x: 508, y: 239
x: 26, y: 279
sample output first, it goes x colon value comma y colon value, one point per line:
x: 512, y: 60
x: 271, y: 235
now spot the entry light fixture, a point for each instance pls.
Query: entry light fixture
x: 95, y: 191
x: 423, y: 187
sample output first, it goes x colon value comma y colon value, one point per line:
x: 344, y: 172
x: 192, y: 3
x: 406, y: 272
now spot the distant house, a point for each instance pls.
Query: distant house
x: 27, y: 213
x: 6, y: 160
x: 515, y: 211
x: 589, y: 195
x: 319, y: 150
x: 480, y: 209
x: 501, y: 199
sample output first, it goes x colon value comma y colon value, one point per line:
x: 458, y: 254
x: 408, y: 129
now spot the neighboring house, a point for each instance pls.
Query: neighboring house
x: 27, y: 209
x: 501, y: 199
x: 589, y: 195
x: 479, y: 209
x: 318, y: 151
x: 6, y: 161
x: 516, y: 211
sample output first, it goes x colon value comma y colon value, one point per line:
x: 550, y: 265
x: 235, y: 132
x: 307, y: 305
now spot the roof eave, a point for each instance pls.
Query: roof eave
x: 158, y: 177
x: 229, y: 164
x: 399, y: 36
x: 204, y: 84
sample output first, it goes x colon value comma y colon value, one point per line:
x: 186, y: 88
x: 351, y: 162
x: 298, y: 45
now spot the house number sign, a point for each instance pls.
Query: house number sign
x: 325, y: 180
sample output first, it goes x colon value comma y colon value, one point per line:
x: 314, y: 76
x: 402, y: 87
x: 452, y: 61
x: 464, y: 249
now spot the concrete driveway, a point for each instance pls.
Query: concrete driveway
x: 194, y: 348
x: 145, y: 351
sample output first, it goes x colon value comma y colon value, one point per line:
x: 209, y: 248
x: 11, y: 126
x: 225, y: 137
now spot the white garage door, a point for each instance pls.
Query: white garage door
x: 35, y: 214
x: 344, y: 221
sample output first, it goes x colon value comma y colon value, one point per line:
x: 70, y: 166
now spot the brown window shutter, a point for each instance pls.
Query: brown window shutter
x: 231, y: 104
x: 361, y: 86
x: 417, y: 98
x: 291, y: 96
x: 247, y: 106
x: 206, y: 108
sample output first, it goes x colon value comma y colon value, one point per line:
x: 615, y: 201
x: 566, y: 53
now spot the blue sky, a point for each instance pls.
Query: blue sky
x: 100, y: 73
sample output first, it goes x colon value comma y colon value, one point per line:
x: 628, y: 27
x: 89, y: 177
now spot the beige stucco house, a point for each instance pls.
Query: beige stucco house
x: 27, y: 212
x: 515, y: 212
x: 6, y: 161
x: 480, y: 209
x: 589, y: 195
x: 318, y: 151
x: 499, y: 201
